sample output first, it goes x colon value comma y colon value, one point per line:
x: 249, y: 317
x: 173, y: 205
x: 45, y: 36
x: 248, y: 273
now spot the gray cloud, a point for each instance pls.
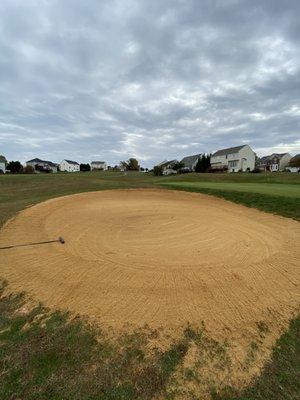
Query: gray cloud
x: 154, y: 80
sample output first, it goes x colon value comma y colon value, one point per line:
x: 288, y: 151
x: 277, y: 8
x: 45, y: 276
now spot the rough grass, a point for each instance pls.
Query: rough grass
x: 51, y: 355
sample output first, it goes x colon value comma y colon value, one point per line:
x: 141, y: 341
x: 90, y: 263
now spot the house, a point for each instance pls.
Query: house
x: 274, y: 162
x: 234, y: 159
x: 42, y: 165
x: 3, y: 163
x: 294, y: 164
x: 190, y: 162
x: 69, y: 166
x: 167, y: 167
x: 98, y: 166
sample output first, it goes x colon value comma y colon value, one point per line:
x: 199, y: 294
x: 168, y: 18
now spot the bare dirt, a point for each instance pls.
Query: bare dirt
x: 159, y: 257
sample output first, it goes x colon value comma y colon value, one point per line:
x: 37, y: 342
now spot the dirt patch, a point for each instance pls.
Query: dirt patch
x: 162, y: 258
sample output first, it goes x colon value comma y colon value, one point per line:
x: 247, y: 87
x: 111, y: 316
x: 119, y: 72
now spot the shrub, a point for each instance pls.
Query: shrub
x: 28, y: 169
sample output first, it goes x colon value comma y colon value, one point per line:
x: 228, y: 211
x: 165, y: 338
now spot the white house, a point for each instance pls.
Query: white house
x: 190, y: 162
x: 42, y: 165
x: 3, y: 163
x: 239, y: 158
x: 69, y: 166
x: 275, y: 162
x: 167, y: 167
x: 98, y: 166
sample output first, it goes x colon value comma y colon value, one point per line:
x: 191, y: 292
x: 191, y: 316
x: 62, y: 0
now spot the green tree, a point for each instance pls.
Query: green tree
x: 15, y: 167
x: 203, y: 163
x: 85, y: 167
x: 131, y: 165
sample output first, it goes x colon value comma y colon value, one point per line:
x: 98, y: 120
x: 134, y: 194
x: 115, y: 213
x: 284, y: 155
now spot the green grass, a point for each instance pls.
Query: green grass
x: 276, y: 189
x: 52, y: 355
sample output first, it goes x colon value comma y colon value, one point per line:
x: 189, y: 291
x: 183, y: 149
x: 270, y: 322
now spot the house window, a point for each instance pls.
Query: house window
x: 233, y: 164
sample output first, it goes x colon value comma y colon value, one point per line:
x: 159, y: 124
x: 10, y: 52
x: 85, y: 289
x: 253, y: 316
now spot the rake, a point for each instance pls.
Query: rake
x: 59, y: 240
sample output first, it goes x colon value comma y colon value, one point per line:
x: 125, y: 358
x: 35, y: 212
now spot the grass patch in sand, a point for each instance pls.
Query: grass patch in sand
x: 54, y: 355
x: 280, y: 378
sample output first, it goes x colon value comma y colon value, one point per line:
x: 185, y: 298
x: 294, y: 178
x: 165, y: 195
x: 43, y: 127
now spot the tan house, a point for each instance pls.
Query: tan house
x: 274, y: 162
x: 234, y: 159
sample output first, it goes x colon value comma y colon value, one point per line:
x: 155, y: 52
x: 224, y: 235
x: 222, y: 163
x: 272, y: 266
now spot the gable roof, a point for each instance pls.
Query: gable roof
x: 294, y: 159
x: 166, y: 163
x: 265, y: 159
x: 35, y: 160
x: 71, y: 162
x: 3, y: 159
x: 38, y: 160
x: 98, y: 162
x: 229, y: 150
x: 189, y: 161
x: 52, y: 164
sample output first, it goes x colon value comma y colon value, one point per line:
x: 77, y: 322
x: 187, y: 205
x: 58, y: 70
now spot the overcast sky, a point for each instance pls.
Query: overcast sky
x: 153, y: 79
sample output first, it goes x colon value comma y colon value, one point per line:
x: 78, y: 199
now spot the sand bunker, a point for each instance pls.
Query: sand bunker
x: 158, y: 257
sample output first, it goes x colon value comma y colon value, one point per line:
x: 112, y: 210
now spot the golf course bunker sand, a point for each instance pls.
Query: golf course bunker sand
x: 157, y: 257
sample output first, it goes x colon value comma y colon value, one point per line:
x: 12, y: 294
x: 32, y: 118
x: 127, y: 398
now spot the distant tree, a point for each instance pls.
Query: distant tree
x: 177, y: 166
x: 15, y: 167
x: 203, y: 163
x: 158, y: 170
x: 85, y: 167
x: 28, y: 169
x: 130, y: 165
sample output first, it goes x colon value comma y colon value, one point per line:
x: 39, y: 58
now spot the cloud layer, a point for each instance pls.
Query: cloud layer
x: 151, y: 79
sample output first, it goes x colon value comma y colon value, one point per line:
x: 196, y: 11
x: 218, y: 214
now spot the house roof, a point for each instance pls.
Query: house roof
x: 229, y: 150
x: 98, y: 162
x: 189, y: 161
x: 265, y: 159
x: 52, y: 164
x: 166, y: 162
x: 71, y: 162
x: 38, y: 160
x: 294, y: 159
x: 3, y: 159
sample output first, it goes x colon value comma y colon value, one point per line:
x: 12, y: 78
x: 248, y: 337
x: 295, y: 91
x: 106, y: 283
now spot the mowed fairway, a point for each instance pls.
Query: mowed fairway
x: 276, y: 189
